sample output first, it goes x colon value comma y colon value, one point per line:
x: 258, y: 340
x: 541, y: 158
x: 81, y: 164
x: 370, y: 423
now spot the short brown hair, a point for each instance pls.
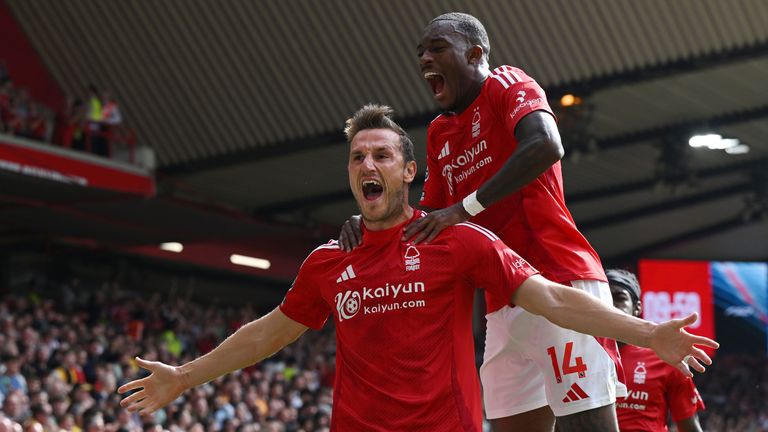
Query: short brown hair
x: 374, y: 116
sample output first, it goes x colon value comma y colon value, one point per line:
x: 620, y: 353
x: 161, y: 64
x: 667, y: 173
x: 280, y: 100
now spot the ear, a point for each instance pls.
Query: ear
x: 410, y: 172
x: 638, y: 312
x: 475, y: 55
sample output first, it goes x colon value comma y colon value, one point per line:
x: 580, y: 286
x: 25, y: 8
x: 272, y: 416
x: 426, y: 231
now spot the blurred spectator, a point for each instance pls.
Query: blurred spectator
x: 93, y: 102
x: 67, y: 346
x: 19, y: 114
x: 71, y: 124
x: 110, y: 111
x: 96, y: 139
x: 736, y: 390
x: 11, y: 379
x: 93, y: 123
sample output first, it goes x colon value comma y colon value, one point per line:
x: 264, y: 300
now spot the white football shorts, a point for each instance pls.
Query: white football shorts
x: 530, y: 362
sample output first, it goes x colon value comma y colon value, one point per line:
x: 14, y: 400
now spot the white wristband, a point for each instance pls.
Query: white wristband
x: 472, y: 205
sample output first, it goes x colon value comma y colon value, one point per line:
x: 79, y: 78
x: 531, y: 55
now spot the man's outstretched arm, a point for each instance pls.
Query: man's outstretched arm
x: 250, y: 344
x: 538, y: 148
x: 574, y: 309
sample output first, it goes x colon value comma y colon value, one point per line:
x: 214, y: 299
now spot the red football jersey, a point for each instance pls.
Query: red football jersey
x: 465, y: 150
x: 405, y: 357
x: 654, y: 387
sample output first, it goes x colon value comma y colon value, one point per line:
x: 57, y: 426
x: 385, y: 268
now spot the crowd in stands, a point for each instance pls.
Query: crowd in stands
x: 64, y: 354
x: 735, y: 391
x: 19, y: 114
x: 65, y: 348
x: 89, y: 123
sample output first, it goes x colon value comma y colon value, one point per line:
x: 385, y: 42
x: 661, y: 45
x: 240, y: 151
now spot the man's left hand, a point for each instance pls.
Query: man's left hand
x: 427, y: 228
x: 679, y: 348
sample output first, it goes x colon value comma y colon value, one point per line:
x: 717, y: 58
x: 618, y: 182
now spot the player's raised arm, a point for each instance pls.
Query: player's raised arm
x: 572, y: 308
x: 251, y: 343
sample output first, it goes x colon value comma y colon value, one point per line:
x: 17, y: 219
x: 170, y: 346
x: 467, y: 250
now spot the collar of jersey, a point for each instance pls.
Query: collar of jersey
x: 387, y: 235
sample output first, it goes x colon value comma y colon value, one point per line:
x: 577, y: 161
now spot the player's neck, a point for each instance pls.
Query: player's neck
x: 390, y: 222
x: 474, y: 88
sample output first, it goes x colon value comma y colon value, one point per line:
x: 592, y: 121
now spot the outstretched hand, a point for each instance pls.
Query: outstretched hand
x: 350, y: 236
x: 677, y: 347
x: 427, y: 228
x: 161, y: 387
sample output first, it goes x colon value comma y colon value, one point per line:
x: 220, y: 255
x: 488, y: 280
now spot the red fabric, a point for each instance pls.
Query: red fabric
x: 654, y: 388
x: 402, y: 364
x: 465, y: 150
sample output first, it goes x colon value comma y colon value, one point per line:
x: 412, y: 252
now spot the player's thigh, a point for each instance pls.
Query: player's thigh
x: 602, y: 419
x: 578, y: 373
x: 512, y: 382
x: 538, y: 420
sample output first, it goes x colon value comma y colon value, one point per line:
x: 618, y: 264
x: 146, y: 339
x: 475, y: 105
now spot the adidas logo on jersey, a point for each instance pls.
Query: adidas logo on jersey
x: 444, y: 152
x: 347, y: 274
x: 576, y: 393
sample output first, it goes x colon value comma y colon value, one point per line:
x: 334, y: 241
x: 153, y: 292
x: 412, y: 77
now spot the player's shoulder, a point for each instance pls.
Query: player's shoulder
x: 470, y: 231
x: 324, y: 253
x: 505, y: 77
x: 439, y: 121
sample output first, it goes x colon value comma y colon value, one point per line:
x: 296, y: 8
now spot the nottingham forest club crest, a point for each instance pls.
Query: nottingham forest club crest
x: 640, y: 372
x: 412, y: 260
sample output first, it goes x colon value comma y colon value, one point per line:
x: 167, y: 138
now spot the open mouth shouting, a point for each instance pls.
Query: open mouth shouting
x: 372, y: 189
x: 436, y: 82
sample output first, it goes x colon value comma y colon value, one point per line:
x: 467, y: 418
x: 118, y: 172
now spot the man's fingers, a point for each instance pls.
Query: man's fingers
x: 702, y: 340
x: 694, y: 363
x: 141, y: 405
x: 435, y: 231
x: 148, y: 365
x: 683, y: 368
x: 139, y: 395
x: 344, y: 236
x: 356, y: 230
x: 425, y: 231
x: 701, y: 355
x: 139, y: 383
x: 351, y: 235
x: 690, y: 319
x: 414, y: 227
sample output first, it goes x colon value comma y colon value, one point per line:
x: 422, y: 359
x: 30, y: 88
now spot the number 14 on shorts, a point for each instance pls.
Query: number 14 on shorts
x: 577, y: 366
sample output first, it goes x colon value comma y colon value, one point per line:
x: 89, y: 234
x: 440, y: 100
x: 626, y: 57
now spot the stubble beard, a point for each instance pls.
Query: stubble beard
x: 394, y: 209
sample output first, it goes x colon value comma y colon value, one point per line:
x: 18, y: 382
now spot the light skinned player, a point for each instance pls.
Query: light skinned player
x: 493, y: 158
x: 402, y: 312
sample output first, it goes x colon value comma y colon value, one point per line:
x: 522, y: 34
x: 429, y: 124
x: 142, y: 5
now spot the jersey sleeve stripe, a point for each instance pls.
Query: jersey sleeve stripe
x: 480, y: 229
x: 501, y: 80
x: 512, y: 77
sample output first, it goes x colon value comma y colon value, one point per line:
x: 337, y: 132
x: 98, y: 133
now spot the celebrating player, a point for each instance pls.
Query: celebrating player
x: 654, y: 387
x: 496, y: 146
x: 405, y: 356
